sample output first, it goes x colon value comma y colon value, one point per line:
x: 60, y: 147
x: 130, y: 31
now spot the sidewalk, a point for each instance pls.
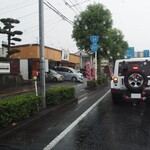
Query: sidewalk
x: 16, y: 90
x: 30, y: 86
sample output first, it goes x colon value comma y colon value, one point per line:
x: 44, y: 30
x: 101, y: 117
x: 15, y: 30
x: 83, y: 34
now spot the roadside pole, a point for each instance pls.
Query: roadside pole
x: 94, y: 47
x: 42, y: 59
x: 35, y: 84
x: 80, y: 60
x: 95, y: 65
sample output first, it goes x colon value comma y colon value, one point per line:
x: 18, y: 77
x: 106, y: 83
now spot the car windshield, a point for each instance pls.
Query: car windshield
x: 57, y: 67
x: 143, y: 66
x: 53, y: 71
x: 73, y: 70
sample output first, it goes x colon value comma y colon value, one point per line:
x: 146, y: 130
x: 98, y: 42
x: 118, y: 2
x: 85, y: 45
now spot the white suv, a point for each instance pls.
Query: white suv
x: 131, y: 80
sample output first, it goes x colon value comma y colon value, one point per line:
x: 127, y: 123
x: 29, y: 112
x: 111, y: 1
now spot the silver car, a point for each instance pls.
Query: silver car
x: 70, y: 73
x: 52, y: 75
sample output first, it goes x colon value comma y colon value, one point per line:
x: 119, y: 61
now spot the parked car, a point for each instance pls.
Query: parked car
x: 52, y: 75
x: 83, y: 71
x: 69, y: 73
x: 131, y: 80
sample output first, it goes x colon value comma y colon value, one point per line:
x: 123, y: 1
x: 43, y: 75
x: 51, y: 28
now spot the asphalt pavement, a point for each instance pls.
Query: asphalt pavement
x: 24, y: 132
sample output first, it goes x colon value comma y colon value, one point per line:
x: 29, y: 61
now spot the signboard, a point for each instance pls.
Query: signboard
x: 65, y: 55
x: 146, y: 53
x: 94, y: 47
x: 94, y: 38
x: 130, y: 52
x: 4, y: 67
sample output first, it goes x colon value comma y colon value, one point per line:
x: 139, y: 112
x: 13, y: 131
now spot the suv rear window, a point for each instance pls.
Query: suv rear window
x: 143, y: 66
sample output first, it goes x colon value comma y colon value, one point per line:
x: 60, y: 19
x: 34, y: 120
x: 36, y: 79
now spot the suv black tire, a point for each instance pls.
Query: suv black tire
x: 135, y: 81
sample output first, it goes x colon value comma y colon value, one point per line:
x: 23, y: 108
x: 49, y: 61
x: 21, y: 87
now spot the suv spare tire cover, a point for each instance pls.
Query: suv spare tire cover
x: 135, y: 81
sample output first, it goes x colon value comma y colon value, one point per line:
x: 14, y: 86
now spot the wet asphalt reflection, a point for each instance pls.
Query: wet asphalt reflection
x: 111, y: 127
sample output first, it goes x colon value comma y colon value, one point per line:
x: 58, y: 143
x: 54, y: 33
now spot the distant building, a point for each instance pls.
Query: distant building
x: 84, y: 57
x: 29, y: 57
x: 138, y: 54
x: 130, y: 53
x: 3, y: 52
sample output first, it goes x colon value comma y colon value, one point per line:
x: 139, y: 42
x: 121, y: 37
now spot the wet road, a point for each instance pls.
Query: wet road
x: 110, y: 127
x: 105, y: 127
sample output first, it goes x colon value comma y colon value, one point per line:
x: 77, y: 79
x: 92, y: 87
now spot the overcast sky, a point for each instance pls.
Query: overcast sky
x: 130, y: 16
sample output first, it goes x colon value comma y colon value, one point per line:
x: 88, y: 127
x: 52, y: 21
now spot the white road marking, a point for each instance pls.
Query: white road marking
x: 81, y: 100
x: 71, y: 126
x: 82, y: 95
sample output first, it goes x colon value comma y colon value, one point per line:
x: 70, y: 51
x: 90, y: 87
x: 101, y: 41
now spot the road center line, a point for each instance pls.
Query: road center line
x: 71, y: 126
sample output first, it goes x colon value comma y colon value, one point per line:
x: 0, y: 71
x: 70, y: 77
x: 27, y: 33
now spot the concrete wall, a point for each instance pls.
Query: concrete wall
x: 10, y: 81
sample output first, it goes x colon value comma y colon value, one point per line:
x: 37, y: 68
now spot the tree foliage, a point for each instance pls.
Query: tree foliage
x: 114, y: 44
x: 7, y: 29
x: 97, y: 20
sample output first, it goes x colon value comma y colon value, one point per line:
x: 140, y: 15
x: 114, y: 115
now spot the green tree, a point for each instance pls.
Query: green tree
x: 7, y: 29
x: 95, y: 20
x: 115, y: 45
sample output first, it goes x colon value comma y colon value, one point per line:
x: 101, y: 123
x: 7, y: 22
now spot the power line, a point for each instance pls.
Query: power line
x: 71, y: 6
x: 20, y: 7
x: 4, y: 8
x: 57, y: 12
x: 67, y: 4
x: 80, y: 3
x: 79, y: 6
x: 74, y: 6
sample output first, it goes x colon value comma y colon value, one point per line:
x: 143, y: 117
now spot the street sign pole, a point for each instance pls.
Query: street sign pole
x: 96, y: 65
x: 94, y: 47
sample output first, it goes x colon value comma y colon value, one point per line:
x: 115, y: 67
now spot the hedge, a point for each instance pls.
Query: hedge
x: 100, y: 80
x: 16, y: 108
x: 59, y: 94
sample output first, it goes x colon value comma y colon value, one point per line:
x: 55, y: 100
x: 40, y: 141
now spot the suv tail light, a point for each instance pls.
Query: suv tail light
x: 115, y: 79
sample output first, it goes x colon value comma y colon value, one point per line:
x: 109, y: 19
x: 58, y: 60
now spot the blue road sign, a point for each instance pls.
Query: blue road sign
x: 130, y: 52
x: 94, y: 47
x: 146, y: 53
x: 94, y: 38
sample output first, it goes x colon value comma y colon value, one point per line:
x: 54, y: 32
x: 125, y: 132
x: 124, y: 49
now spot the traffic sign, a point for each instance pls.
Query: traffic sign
x: 94, y: 38
x: 94, y: 47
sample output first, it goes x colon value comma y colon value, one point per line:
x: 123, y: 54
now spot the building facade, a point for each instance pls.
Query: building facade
x: 29, y: 57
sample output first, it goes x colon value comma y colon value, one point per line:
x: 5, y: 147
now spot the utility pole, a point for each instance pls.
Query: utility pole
x: 42, y: 59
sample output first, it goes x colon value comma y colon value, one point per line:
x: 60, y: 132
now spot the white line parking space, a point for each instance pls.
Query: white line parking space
x: 71, y: 126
